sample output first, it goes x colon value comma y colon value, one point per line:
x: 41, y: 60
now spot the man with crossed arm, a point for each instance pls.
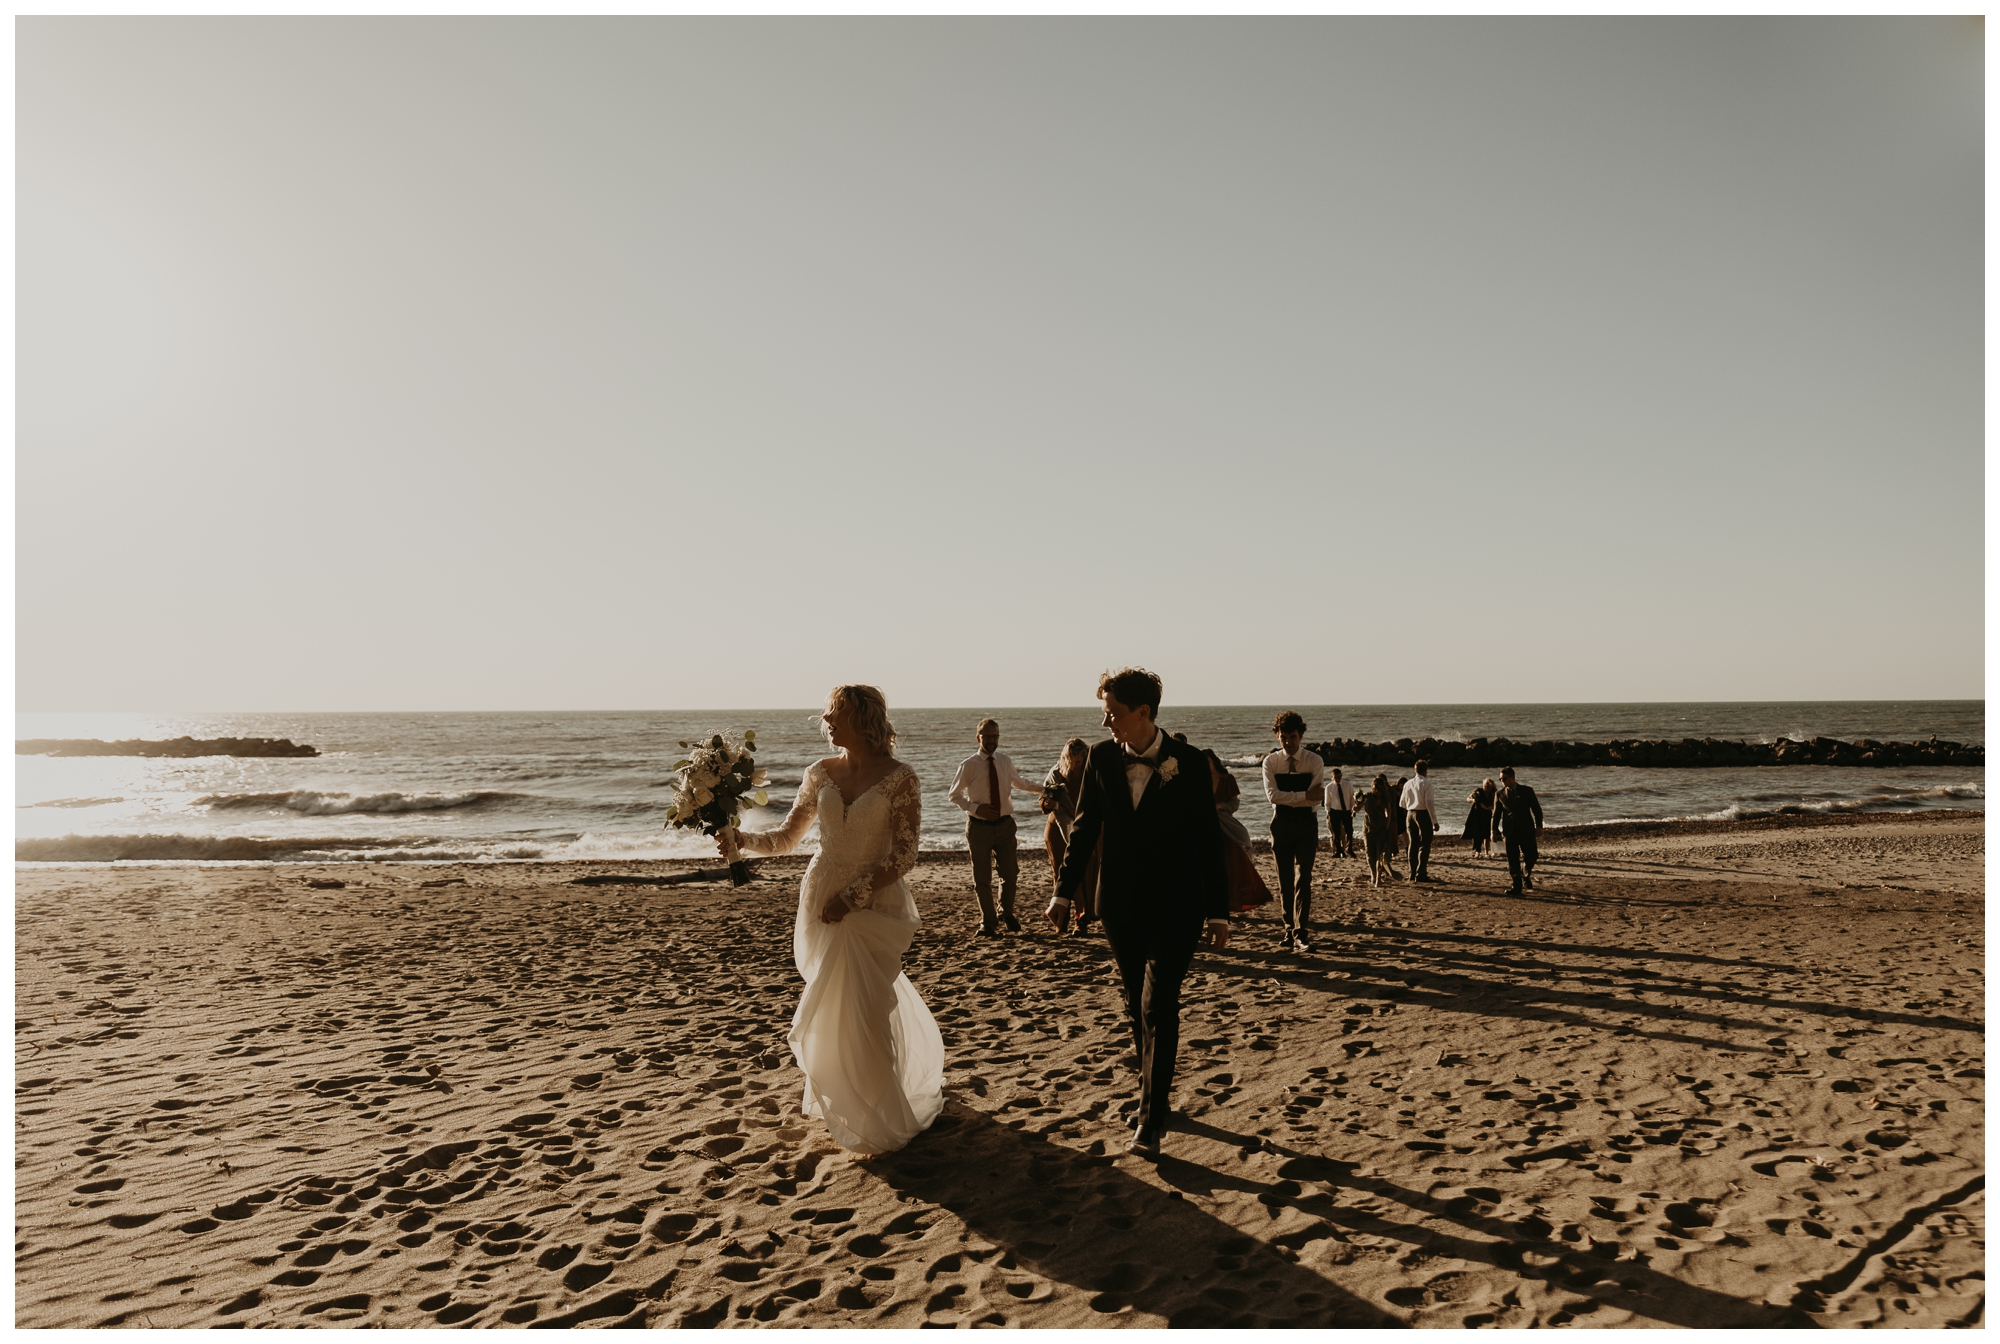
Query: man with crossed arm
x: 984, y: 788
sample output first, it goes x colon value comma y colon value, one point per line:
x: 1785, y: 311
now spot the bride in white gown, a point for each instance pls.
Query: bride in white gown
x: 869, y: 1048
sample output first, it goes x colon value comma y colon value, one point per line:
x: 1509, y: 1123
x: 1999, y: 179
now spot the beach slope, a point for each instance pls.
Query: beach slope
x: 1706, y: 1075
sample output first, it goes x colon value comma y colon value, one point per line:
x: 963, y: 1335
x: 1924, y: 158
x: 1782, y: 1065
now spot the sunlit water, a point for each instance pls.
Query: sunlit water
x: 549, y: 787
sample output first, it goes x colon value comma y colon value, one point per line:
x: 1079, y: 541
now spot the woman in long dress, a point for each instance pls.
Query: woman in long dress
x: 1061, y: 792
x: 1246, y: 888
x: 870, y: 1050
x: 1379, y: 830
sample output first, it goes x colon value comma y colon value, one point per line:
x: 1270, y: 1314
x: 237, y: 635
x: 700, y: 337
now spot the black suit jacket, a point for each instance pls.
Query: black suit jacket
x: 1163, y: 860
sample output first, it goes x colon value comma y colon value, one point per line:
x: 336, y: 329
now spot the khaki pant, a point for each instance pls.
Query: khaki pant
x: 992, y: 841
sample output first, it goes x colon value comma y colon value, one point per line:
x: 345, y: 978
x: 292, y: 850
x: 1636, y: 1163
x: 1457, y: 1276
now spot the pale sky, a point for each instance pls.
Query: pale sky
x: 685, y: 363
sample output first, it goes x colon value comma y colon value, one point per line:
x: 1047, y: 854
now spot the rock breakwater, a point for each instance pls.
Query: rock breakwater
x: 177, y: 746
x: 1651, y: 754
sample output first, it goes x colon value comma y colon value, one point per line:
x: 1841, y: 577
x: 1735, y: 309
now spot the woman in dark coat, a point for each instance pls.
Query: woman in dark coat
x: 1479, y: 821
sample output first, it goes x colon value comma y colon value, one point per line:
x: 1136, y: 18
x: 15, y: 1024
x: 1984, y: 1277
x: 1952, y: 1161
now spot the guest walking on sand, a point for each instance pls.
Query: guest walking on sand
x: 1420, y: 807
x: 1162, y: 885
x: 1295, y: 782
x: 1479, y: 820
x: 1246, y: 886
x: 1378, y: 830
x: 1340, y: 815
x: 1518, y: 814
x: 984, y: 788
x: 1061, y: 792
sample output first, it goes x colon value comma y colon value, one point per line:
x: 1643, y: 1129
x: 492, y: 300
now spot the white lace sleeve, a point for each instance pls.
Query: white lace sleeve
x: 805, y: 811
x: 905, y: 798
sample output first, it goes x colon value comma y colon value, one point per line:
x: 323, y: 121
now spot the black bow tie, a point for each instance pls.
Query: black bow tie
x: 1131, y: 760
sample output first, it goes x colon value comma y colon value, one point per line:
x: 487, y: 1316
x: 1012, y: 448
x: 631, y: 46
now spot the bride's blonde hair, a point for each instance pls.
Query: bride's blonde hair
x: 868, y: 712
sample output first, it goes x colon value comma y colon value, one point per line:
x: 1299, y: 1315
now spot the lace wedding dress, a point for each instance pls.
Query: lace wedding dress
x: 869, y: 1048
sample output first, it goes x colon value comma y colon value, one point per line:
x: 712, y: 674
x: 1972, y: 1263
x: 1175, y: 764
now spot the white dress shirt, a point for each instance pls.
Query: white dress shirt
x: 1339, y: 795
x: 1418, y: 796
x: 969, y: 786
x: 1138, y: 775
x: 1300, y: 762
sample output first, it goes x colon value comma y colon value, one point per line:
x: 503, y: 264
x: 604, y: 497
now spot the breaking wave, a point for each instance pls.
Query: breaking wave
x: 1882, y: 799
x: 316, y: 804
x: 246, y: 849
x: 73, y: 802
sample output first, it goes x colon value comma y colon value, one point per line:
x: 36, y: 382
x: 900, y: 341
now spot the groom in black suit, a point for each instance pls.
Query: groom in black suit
x: 1161, y: 877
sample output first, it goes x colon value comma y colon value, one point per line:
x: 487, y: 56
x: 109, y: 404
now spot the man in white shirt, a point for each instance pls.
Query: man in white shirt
x: 1295, y: 782
x: 1420, y: 803
x: 984, y: 787
x: 1340, y: 814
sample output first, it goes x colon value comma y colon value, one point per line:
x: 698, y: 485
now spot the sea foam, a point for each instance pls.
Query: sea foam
x: 315, y: 804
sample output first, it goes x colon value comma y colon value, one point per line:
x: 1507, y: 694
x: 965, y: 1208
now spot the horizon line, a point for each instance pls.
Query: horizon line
x: 1089, y: 705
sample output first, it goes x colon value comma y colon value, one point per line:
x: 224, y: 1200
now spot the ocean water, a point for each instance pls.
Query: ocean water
x: 551, y: 787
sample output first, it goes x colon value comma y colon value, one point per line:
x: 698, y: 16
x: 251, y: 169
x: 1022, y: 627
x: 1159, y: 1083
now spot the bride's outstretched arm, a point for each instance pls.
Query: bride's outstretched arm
x: 785, y: 839
x: 906, y: 810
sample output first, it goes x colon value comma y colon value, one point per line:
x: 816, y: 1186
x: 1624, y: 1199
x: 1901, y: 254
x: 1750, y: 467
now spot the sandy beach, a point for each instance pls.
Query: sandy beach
x: 1725, y: 1074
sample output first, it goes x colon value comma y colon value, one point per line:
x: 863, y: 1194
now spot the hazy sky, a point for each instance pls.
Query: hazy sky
x: 532, y: 364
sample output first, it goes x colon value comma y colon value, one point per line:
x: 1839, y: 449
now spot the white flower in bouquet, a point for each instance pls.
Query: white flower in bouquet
x: 717, y: 779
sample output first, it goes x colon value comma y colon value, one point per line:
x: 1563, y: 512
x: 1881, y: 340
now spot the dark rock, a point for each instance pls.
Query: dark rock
x: 179, y: 746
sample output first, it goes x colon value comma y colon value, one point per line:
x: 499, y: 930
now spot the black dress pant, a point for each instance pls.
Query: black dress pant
x: 1340, y: 826
x: 1521, y: 855
x: 1153, y: 960
x: 1421, y: 831
x: 1295, y: 842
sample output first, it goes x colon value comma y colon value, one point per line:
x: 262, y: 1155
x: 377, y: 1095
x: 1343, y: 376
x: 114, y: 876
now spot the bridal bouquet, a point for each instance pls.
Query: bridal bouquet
x: 715, y: 777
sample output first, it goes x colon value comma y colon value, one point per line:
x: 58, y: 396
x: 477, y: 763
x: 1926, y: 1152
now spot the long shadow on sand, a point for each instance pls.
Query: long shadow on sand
x: 1446, y: 987
x: 1515, y: 1247
x: 1078, y: 1219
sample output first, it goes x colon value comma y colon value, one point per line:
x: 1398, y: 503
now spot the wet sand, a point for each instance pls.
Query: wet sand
x: 1710, y: 1075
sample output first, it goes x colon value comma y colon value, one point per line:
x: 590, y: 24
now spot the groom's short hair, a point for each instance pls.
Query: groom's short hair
x: 1288, y: 721
x: 1131, y: 687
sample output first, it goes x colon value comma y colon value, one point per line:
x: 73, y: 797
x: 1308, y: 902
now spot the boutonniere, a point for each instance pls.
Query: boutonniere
x: 1168, y: 769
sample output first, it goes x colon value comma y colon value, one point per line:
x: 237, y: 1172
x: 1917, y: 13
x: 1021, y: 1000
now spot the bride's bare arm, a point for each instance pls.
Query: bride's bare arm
x: 786, y: 838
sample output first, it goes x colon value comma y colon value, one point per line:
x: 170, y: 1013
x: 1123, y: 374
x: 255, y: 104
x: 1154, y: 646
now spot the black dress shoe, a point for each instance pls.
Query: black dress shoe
x: 986, y: 931
x: 1013, y: 924
x: 1146, y: 1143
